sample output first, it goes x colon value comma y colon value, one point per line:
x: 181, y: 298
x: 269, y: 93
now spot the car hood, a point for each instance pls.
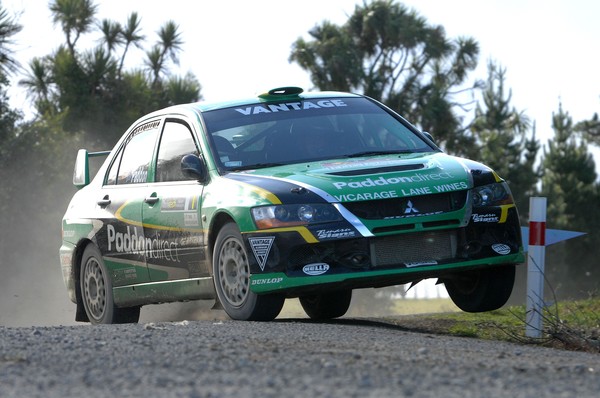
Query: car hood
x: 369, y: 178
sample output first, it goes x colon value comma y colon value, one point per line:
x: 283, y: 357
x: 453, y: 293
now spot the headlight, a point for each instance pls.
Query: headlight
x: 290, y: 215
x: 492, y: 195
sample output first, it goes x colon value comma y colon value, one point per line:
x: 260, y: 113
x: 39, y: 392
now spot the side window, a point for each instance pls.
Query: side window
x: 111, y: 177
x: 136, y: 156
x: 176, y: 142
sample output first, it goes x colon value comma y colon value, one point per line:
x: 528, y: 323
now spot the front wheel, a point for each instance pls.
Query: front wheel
x: 231, y: 273
x: 328, y: 305
x: 481, y: 290
x: 96, y: 292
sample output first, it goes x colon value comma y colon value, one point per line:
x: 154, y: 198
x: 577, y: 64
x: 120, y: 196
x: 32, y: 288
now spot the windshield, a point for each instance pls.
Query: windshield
x: 269, y: 134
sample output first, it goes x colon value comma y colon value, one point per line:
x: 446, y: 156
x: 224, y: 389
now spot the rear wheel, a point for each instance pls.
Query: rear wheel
x: 481, y: 290
x: 231, y: 272
x: 96, y: 292
x: 328, y: 305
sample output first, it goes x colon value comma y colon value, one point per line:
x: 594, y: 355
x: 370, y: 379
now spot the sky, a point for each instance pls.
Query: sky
x: 239, y: 47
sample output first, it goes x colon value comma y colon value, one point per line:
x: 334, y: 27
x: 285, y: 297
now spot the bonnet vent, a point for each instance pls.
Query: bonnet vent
x: 387, y: 169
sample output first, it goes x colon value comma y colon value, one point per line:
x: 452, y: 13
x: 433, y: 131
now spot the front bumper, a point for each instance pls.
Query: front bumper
x: 297, y: 285
x: 298, y: 262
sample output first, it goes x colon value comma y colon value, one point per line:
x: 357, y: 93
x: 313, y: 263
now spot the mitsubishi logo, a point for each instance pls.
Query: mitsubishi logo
x: 410, y: 208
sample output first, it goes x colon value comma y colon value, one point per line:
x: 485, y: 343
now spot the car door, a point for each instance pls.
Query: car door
x: 121, y: 238
x: 171, y: 211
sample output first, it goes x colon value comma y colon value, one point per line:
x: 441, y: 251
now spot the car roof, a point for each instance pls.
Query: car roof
x: 270, y: 96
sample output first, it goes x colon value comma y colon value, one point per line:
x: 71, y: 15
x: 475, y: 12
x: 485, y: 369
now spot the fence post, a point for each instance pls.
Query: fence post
x: 536, y: 254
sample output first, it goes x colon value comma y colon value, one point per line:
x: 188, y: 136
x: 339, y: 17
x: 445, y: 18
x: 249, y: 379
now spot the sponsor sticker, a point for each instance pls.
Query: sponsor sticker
x: 382, y: 181
x: 146, y: 127
x: 315, y: 269
x: 353, y: 197
x: 130, y: 242
x: 179, y: 204
x: 173, y: 204
x: 483, y: 218
x: 335, y: 233
x: 363, y: 163
x: 66, y: 260
x: 501, y: 248
x: 261, y: 247
x: 130, y: 273
x: 290, y: 106
x: 266, y: 281
x: 413, y: 214
x: 190, y: 219
x: 420, y: 263
x: 138, y: 176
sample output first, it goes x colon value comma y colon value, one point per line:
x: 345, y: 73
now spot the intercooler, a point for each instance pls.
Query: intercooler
x: 413, y: 248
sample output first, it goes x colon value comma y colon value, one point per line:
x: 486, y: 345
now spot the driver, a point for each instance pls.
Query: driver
x: 310, y: 138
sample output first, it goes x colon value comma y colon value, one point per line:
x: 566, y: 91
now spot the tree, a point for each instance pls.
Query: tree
x: 501, y: 133
x: 590, y: 129
x: 112, y: 34
x: 569, y: 183
x: 75, y: 18
x: 38, y: 85
x: 10, y: 133
x: 390, y: 53
x: 9, y: 118
x: 90, y: 89
x: 169, y: 45
x: 8, y: 28
x: 131, y: 35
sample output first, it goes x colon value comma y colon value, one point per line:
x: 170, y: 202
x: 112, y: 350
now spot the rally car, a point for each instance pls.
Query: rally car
x: 287, y: 194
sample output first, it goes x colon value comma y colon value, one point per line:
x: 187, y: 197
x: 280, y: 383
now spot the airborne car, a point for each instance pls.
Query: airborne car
x: 287, y: 194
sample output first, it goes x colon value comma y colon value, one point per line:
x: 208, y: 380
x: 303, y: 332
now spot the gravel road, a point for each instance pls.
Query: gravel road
x: 285, y: 358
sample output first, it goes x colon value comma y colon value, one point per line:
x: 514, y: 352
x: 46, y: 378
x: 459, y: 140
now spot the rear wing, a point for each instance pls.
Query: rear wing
x: 81, y: 174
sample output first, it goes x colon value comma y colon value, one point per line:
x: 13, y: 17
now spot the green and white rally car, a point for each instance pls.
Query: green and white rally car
x: 287, y: 194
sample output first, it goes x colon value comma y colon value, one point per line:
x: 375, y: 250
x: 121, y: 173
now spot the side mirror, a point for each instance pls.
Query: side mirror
x: 429, y: 136
x: 193, y: 167
x: 81, y: 174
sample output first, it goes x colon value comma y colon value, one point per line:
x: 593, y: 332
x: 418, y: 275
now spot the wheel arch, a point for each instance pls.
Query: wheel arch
x: 218, y: 221
x: 80, y: 314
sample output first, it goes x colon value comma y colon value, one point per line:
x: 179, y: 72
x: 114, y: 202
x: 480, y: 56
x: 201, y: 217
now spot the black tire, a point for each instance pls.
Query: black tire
x: 231, y: 273
x: 96, y: 292
x: 481, y: 290
x: 327, y: 305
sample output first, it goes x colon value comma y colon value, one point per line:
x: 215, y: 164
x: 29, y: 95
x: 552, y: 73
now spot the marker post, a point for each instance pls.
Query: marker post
x: 535, y: 266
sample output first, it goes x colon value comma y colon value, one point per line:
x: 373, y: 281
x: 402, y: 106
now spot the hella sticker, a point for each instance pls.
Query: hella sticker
x: 315, y: 269
x: 501, y: 248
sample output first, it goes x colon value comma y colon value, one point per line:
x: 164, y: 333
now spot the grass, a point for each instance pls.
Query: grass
x: 573, y: 325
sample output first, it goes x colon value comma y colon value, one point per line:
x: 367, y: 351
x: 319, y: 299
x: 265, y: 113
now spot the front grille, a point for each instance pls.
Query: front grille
x: 412, y: 206
x: 413, y: 248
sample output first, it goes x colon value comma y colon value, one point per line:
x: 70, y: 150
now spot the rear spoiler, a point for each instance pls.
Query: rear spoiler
x: 81, y: 174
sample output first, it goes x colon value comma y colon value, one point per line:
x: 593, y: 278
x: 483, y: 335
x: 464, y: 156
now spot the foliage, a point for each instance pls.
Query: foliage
x: 83, y: 98
x: 573, y: 325
x: 8, y: 28
x: 501, y: 133
x: 392, y: 54
x: 569, y: 183
x: 90, y: 88
x: 590, y: 129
